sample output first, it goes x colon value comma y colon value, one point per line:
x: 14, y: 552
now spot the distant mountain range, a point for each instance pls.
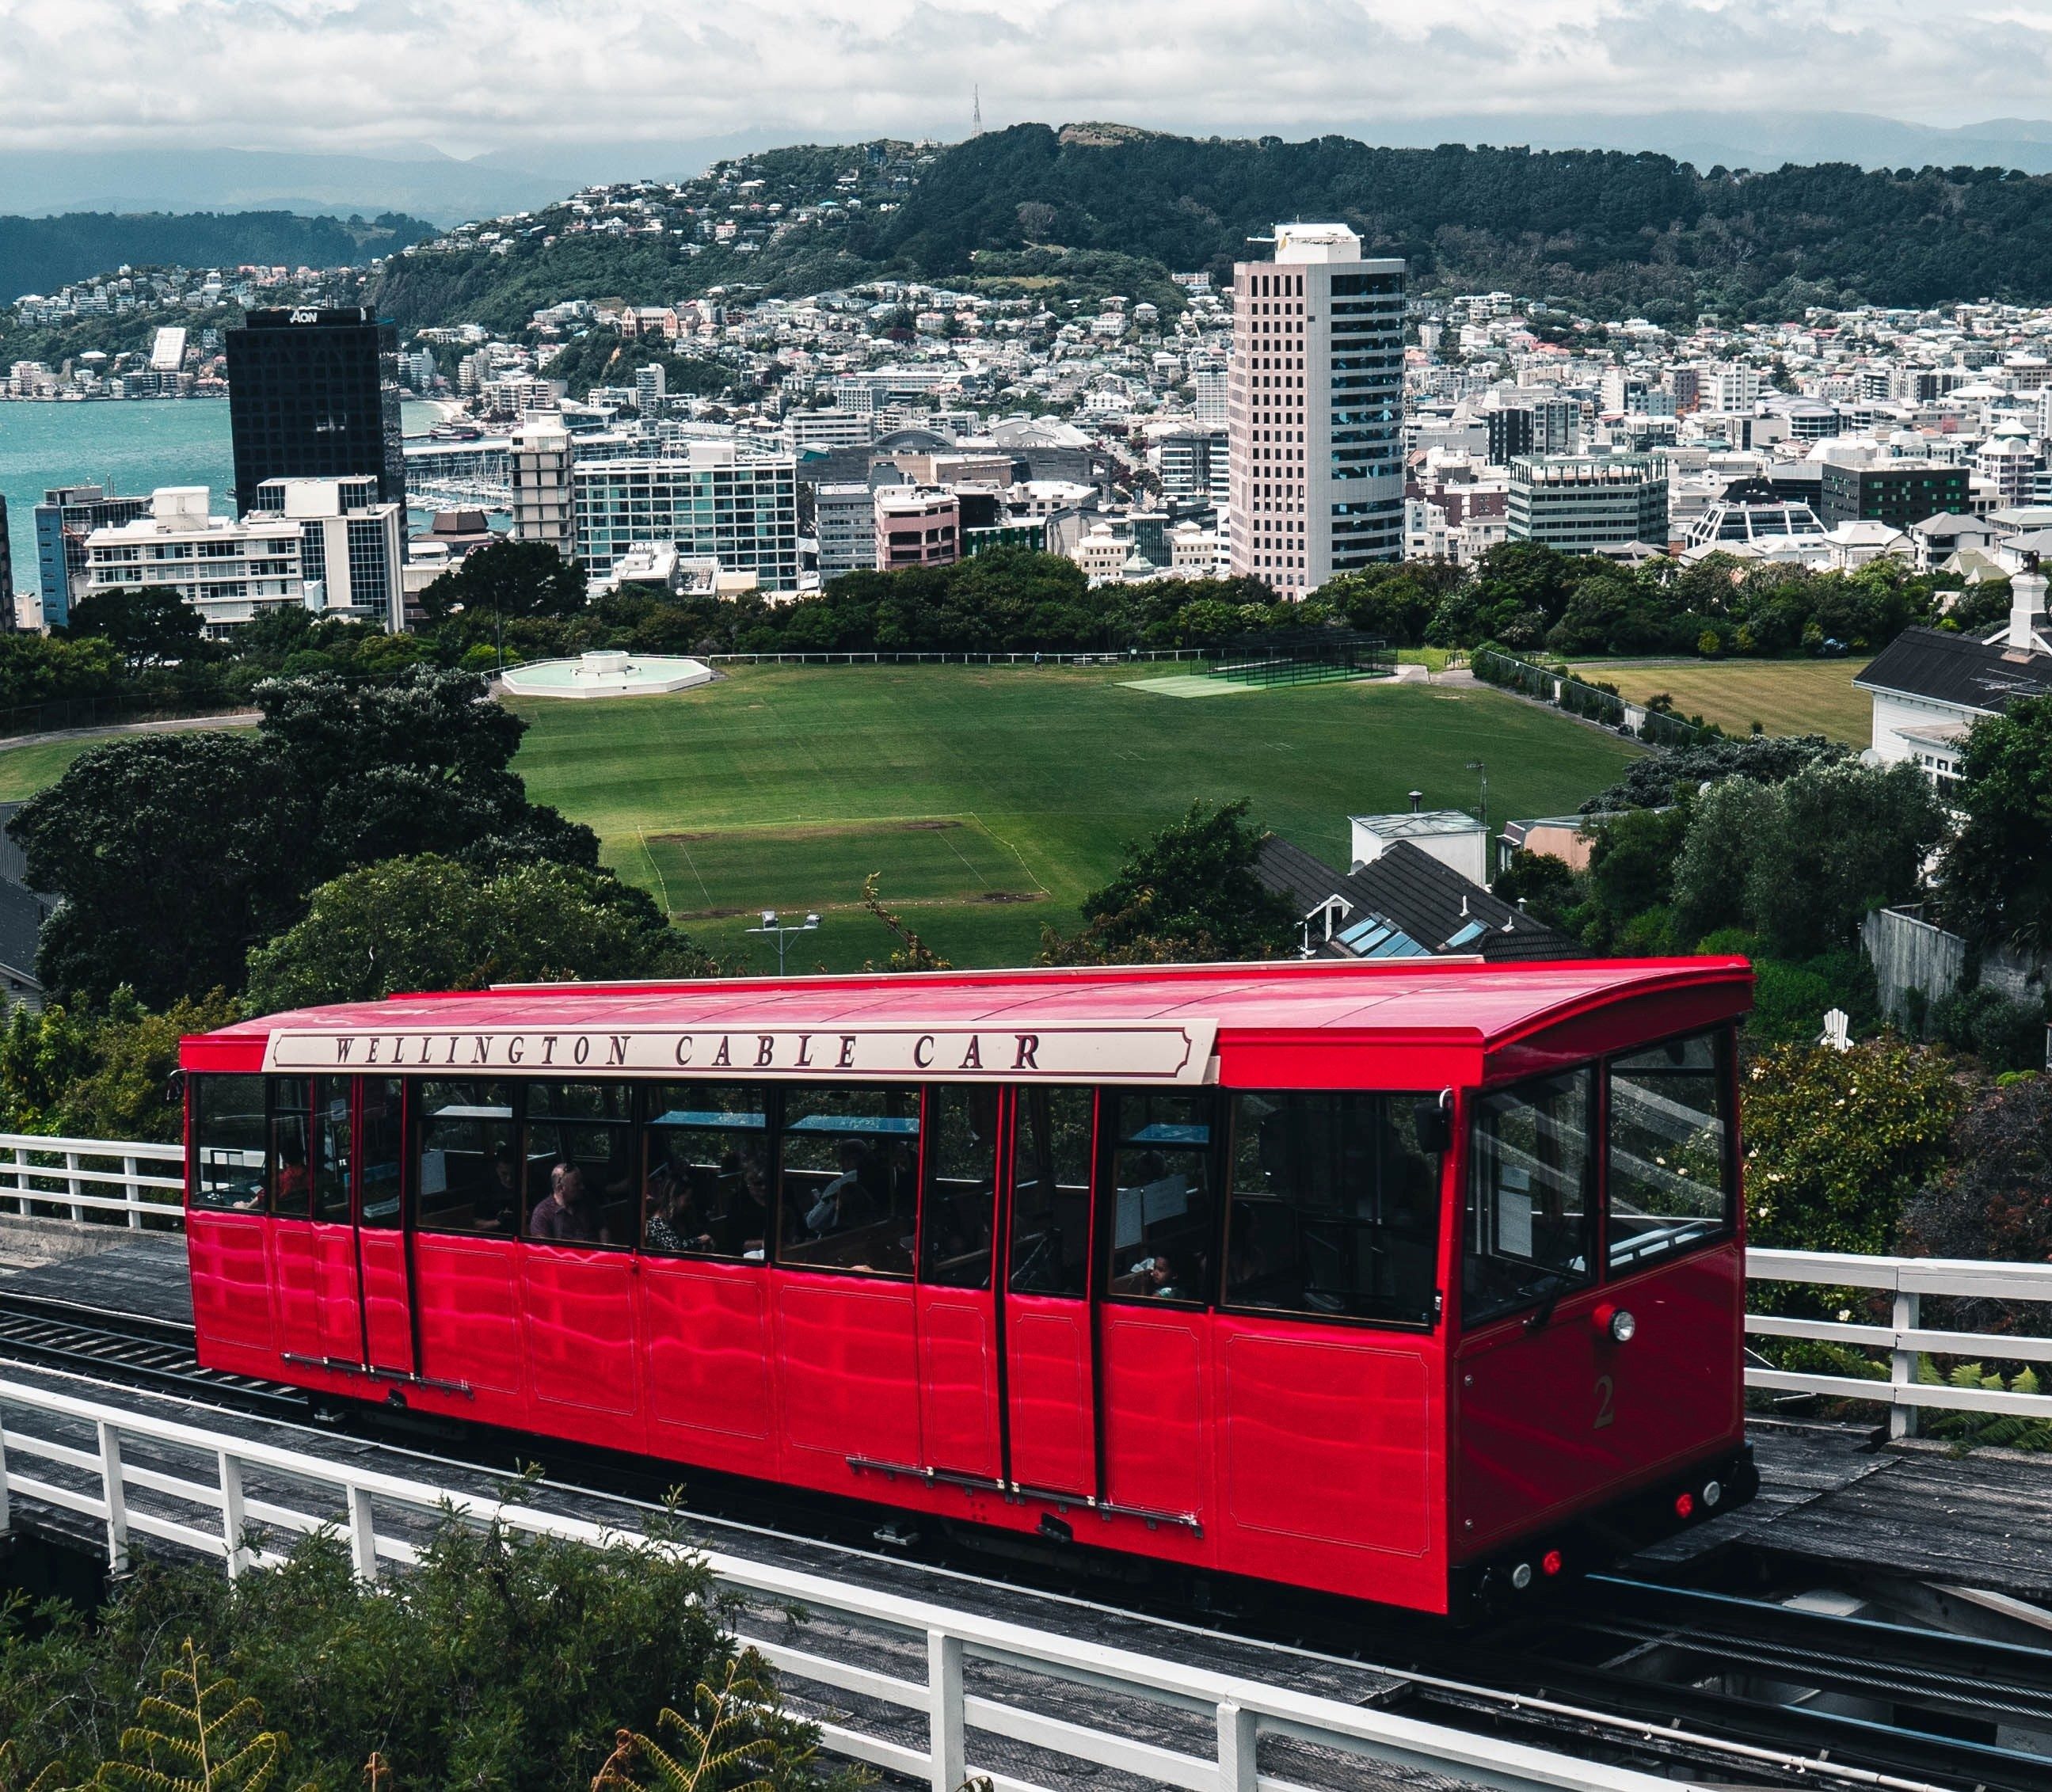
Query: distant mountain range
x: 41, y: 254
x: 423, y: 182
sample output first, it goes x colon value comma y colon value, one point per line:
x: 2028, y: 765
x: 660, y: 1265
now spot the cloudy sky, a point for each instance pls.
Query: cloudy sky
x: 472, y: 75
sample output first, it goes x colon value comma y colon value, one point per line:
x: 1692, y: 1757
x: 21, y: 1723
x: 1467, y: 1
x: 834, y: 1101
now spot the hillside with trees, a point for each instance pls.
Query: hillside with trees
x: 1091, y: 210
x: 41, y: 254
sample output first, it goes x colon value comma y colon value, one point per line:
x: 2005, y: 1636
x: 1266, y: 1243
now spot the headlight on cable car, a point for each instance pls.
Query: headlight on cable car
x: 1624, y: 1328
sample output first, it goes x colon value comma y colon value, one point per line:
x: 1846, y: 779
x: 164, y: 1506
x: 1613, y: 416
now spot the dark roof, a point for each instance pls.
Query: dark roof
x: 1957, y: 669
x: 1429, y: 908
x: 22, y: 915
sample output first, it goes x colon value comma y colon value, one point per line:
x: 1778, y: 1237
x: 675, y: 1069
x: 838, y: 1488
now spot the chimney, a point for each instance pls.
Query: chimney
x: 2027, y: 609
x: 1418, y: 797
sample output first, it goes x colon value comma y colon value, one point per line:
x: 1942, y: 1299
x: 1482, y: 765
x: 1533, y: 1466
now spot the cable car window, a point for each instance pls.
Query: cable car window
x: 468, y: 1178
x: 383, y: 1147
x: 706, y: 1193
x: 1528, y: 1211
x: 331, y: 1150
x: 228, y: 1143
x: 957, y: 1211
x: 1160, y: 1164
x: 848, y: 1177
x: 290, y: 1176
x: 1669, y: 1151
x: 1334, y: 1211
x: 580, y: 1163
x: 1051, y: 1188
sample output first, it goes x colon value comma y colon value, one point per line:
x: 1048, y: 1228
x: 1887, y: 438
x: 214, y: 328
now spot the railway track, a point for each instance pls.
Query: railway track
x: 1753, y: 1691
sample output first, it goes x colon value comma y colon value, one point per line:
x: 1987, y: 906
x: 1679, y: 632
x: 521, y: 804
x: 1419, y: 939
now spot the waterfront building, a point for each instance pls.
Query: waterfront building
x: 539, y: 460
x: 1316, y: 410
x: 315, y: 394
x: 352, y: 546
x: 230, y: 571
x: 66, y: 516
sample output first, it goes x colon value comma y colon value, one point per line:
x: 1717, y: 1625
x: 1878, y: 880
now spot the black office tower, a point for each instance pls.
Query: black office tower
x: 315, y: 394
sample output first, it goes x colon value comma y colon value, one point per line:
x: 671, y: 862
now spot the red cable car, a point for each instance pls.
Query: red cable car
x: 1419, y: 1281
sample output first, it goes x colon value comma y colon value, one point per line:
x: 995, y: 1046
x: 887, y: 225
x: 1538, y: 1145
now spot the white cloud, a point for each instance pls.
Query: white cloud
x: 368, y: 75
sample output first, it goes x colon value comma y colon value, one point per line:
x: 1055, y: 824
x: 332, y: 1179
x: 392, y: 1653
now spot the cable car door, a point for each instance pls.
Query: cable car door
x: 337, y: 1299
x: 959, y: 1428
x: 1051, y: 1377
x: 384, y: 1266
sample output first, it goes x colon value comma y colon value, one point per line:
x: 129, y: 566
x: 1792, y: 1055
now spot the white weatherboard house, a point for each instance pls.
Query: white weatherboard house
x: 1930, y: 688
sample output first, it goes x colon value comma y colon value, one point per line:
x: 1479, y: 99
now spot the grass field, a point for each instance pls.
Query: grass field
x: 24, y: 770
x: 1784, y: 696
x: 992, y: 800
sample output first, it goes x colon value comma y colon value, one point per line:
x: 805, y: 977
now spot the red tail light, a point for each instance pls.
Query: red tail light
x: 1685, y: 1505
x: 1550, y: 1563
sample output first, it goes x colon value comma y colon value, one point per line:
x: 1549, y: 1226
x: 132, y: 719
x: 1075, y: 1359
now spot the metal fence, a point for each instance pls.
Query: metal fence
x: 139, y: 1185
x: 135, y: 1474
x: 1102, y: 656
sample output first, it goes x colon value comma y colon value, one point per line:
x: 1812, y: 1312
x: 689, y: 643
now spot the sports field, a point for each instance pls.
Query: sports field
x: 1784, y: 696
x: 24, y: 770
x: 991, y: 799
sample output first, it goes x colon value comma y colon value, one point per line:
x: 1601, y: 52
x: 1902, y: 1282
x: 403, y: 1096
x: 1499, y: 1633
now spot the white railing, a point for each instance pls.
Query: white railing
x: 118, y: 1467
x: 80, y: 1177
x: 1909, y: 1279
x: 75, y: 1179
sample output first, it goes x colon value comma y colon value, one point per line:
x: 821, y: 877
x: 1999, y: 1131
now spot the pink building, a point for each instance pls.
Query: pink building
x: 917, y: 526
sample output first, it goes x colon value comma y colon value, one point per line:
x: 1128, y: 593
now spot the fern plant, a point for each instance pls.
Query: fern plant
x: 14, y: 1777
x: 196, y: 1735
x: 2004, y: 1429
x: 717, y: 1743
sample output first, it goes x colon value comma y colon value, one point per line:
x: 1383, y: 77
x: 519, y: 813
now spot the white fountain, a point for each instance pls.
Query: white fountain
x: 612, y: 673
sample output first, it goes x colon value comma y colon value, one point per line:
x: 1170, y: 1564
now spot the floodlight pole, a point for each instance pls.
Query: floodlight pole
x: 776, y: 929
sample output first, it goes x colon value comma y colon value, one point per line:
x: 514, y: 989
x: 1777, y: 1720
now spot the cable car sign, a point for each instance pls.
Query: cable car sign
x: 1165, y: 1052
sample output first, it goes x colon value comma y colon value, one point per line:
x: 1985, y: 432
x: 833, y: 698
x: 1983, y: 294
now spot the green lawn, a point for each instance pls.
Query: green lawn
x: 784, y: 787
x: 1784, y: 696
x: 24, y: 770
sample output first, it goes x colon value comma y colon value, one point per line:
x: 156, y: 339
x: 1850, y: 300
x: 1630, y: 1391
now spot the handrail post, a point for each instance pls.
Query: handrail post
x: 1237, y: 1731
x: 946, y: 1726
x: 363, y: 1536
x: 71, y: 1185
x: 7, y: 1512
x: 117, y: 1497
x: 1902, y: 1366
x: 233, y: 1521
x: 21, y: 1178
x: 132, y: 1192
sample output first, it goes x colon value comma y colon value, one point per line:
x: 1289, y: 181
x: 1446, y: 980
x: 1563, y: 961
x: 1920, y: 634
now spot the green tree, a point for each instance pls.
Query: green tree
x: 429, y: 923
x: 1836, y: 1141
x: 101, y: 1075
x: 144, y: 624
x: 508, y: 581
x: 176, y: 854
x: 1997, y: 878
x: 1190, y: 893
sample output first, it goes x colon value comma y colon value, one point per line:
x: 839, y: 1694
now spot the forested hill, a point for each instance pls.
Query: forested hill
x: 1605, y: 232
x: 41, y: 254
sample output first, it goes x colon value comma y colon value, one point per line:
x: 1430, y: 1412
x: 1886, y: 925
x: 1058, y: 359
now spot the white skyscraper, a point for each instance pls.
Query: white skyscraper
x: 1316, y: 410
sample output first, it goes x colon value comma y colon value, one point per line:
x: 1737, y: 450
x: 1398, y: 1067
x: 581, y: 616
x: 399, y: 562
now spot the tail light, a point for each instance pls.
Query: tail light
x: 1685, y: 1505
x: 1550, y: 1563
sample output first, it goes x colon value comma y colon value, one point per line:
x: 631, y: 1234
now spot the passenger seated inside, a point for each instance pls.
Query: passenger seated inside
x: 744, y: 1224
x: 497, y: 1207
x: 566, y: 1213
x: 295, y: 1181
x: 1153, y: 1277
x: 846, y: 1202
x: 680, y: 1206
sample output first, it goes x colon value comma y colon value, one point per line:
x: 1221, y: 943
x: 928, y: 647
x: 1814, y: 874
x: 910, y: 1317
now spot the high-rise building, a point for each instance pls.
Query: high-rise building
x: 539, y: 460
x: 1316, y: 410
x: 352, y: 546
x: 1209, y: 386
x: 719, y: 503
x: 6, y: 572
x: 1583, y: 503
x: 1510, y: 434
x: 230, y: 571
x: 67, y: 515
x: 650, y: 387
x: 1194, y: 462
x: 845, y: 516
x: 315, y: 394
